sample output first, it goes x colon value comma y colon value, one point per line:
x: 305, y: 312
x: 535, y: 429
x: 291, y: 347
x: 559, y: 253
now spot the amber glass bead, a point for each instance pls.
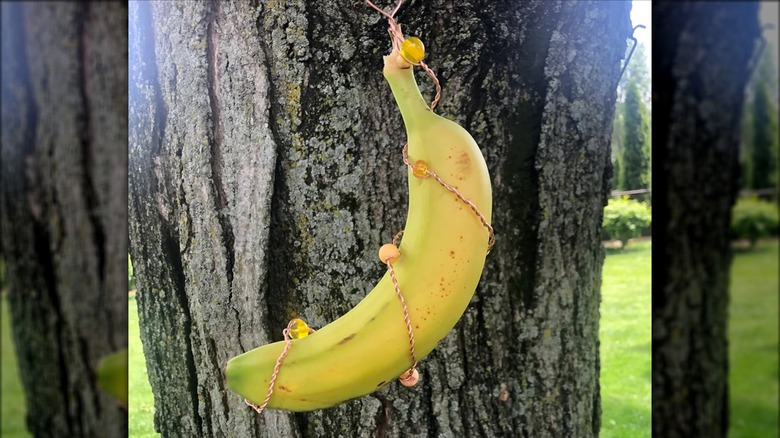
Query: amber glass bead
x: 388, y: 253
x: 298, y: 329
x: 410, y: 377
x: 413, y: 50
x: 420, y: 169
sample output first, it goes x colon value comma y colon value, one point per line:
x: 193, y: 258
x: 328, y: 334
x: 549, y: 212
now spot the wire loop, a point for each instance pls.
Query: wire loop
x: 287, y: 344
x: 397, y: 37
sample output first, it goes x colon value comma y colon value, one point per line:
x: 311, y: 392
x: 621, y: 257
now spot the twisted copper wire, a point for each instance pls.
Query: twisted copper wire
x: 397, y: 38
x: 397, y: 236
x: 277, y: 367
x: 492, y: 237
x: 407, y: 319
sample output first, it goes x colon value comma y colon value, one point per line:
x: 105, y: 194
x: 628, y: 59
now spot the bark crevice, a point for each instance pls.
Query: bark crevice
x: 171, y: 251
x: 276, y: 276
x: 216, y: 140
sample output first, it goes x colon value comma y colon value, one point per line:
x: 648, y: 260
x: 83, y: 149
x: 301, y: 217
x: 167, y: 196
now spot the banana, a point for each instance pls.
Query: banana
x: 442, y: 255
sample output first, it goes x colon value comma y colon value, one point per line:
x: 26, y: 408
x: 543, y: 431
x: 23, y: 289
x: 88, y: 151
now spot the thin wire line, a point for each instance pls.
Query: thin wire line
x: 397, y: 236
x: 407, y: 319
x: 492, y: 237
x: 277, y: 367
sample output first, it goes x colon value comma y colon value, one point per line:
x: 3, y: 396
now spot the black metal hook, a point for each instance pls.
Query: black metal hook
x: 625, y: 64
x: 756, y: 58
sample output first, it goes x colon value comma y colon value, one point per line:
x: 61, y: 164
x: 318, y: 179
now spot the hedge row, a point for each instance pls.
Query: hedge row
x: 626, y: 218
x: 752, y: 219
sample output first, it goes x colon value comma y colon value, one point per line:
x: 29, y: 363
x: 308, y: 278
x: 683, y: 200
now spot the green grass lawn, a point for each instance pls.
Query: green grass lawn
x: 625, y: 342
x: 140, y: 398
x: 14, y: 405
x: 753, y: 342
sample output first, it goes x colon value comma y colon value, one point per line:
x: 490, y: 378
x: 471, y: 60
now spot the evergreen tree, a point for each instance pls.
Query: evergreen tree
x: 616, y: 175
x: 638, y: 74
x: 763, y: 81
x: 616, y: 143
x: 634, y: 159
x: 762, y: 157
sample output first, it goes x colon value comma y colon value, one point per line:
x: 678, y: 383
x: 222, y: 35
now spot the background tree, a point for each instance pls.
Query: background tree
x: 759, y: 139
x: 634, y: 157
x: 763, y: 155
x: 637, y: 74
x: 700, y: 69
x: 265, y: 172
x: 64, y: 217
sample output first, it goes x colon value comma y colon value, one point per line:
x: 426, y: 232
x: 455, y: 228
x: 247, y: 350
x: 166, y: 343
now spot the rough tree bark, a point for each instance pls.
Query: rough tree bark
x: 64, y: 217
x: 265, y: 172
x: 701, y: 58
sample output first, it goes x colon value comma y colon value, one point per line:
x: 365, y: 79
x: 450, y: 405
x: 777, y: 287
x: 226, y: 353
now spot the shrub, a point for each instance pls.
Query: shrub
x: 752, y: 218
x: 625, y: 218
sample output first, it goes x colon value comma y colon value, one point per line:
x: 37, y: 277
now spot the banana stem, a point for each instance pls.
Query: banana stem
x: 414, y: 110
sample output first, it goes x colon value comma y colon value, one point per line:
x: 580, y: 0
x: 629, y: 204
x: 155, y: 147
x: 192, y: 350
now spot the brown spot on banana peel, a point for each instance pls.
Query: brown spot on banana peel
x: 463, y: 164
x: 347, y: 339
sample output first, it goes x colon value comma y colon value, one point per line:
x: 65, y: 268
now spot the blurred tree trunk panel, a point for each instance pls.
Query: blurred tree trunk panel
x: 64, y: 220
x: 265, y: 172
x: 701, y: 60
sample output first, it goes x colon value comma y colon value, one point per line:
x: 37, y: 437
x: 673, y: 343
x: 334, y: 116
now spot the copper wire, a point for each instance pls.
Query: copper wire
x: 397, y: 38
x: 407, y: 319
x: 397, y: 237
x: 277, y: 367
x: 492, y: 237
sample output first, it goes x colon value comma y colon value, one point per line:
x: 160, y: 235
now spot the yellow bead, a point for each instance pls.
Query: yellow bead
x: 420, y: 169
x: 298, y: 329
x: 388, y: 253
x: 413, y: 50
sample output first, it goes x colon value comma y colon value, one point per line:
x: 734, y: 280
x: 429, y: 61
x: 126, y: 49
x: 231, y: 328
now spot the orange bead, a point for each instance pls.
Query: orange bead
x: 410, y: 377
x: 420, y: 169
x: 388, y: 253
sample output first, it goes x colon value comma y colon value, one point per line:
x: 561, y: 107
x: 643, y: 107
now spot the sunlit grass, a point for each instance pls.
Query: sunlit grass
x: 753, y: 342
x: 625, y: 336
x: 13, y: 401
x: 141, y: 400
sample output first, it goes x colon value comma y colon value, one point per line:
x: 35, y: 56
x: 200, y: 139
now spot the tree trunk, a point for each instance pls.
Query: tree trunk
x: 701, y: 58
x: 64, y: 221
x: 265, y: 172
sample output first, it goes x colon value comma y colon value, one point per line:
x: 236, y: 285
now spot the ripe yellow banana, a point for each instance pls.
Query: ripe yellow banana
x: 442, y: 256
